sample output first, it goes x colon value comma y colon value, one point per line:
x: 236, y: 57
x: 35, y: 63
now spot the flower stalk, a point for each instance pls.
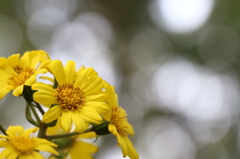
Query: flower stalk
x: 32, y: 107
x: 3, y: 130
x: 40, y: 108
x: 51, y: 137
x: 29, y: 116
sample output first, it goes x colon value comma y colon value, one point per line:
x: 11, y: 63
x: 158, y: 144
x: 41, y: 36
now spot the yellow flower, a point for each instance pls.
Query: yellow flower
x: 77, y: 99
x: 19, y: 144
x: 86, y: 148
x: 74, y: 146
x: 119, y: 125
x: 16, y: 72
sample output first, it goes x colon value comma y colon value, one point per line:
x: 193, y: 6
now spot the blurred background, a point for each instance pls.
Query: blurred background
x: 174, y: 63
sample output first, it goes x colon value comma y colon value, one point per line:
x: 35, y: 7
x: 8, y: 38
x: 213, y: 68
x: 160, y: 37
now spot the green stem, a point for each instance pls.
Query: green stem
x: 3, y: 129
x: 42, y: 130
x: 35, y: 113
x: 88, y: 130
x: 39, y: 108
x: 50, y: 137
x: 29, y: 116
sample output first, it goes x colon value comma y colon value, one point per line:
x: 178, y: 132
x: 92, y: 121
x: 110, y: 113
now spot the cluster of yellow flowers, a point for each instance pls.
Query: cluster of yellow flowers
x: 81, y: 105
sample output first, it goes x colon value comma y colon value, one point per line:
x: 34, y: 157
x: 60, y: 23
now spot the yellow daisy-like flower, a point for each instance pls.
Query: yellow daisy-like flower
x: 77, y: 99
x: 76, y: 148
x: 119, y: 125
x: 86, y: 148
x: 19, y: 144
x: 16, y: 72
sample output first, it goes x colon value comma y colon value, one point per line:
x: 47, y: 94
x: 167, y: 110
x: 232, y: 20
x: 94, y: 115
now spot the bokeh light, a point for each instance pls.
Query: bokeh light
x: 167, y: 139
x: 89, y: 46
x: 191, y: 90
x: 180, y: 16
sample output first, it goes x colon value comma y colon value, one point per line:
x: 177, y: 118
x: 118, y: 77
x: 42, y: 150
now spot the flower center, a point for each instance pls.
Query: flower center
x: 120, y: 121
x: 23, y: 144
x: 22, y: 75
x: 70, y: 98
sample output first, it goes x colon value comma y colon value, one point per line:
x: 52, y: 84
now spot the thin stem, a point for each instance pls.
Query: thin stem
x: 88, y: 130
x: 42, y: 130
x: 35, y: 113
x: 39, y: 108
x: 50, y: 137
x: 29, y: 116
x: 66, y: 135
x: 3, y: 129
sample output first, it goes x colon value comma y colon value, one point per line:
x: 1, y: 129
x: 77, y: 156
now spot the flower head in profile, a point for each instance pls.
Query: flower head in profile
x: 77, y: 99
x: 16, y: 72
x: 18, y: 143
x: 119, y: 125
x: 71, y: 146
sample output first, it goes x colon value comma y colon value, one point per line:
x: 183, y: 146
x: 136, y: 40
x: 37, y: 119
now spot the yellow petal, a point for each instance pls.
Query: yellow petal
x: 130, y: 130
x: 87, y: 135
x: 112, y: 129
x: 45, y: 56
x: 40, y: 141
x: 86, y: 150
x: 18, y: 91
x: 93, y: 85
x: 25, y: 60
x: 4, y: 136
x: 132, y: 153
x: 3, y: 61
x: 37, y: 155
x: 66, y: 120
x: 98, y: 97
x: 41, y: 71
x: 123, y: 146
x: 74, y: 154
x: 52, y: 114
x: 46, y: 148
x: 70, y: 71
x: 78, y: 122
x: 87, y: 147
x: 108, y: 115
x: 90, y: 116
x: 44, y: 64
x: 58, y: 72
x: 30, y: 81
x: 9, y: 153
x: 13, y: 60
x: 35, y: 57
x: 6, y: 69
x: 4, y: 143
x: 82, y: 76
x: 9, y: 87
x: 81, y: 69
x: 30, y: 131
x: 100, y: 107
x: 3, y: 93
x: 13, y: 130
x: 44, y: 87
x: 45, y: 97
x: 113, y: 99
x: 26, y: 157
